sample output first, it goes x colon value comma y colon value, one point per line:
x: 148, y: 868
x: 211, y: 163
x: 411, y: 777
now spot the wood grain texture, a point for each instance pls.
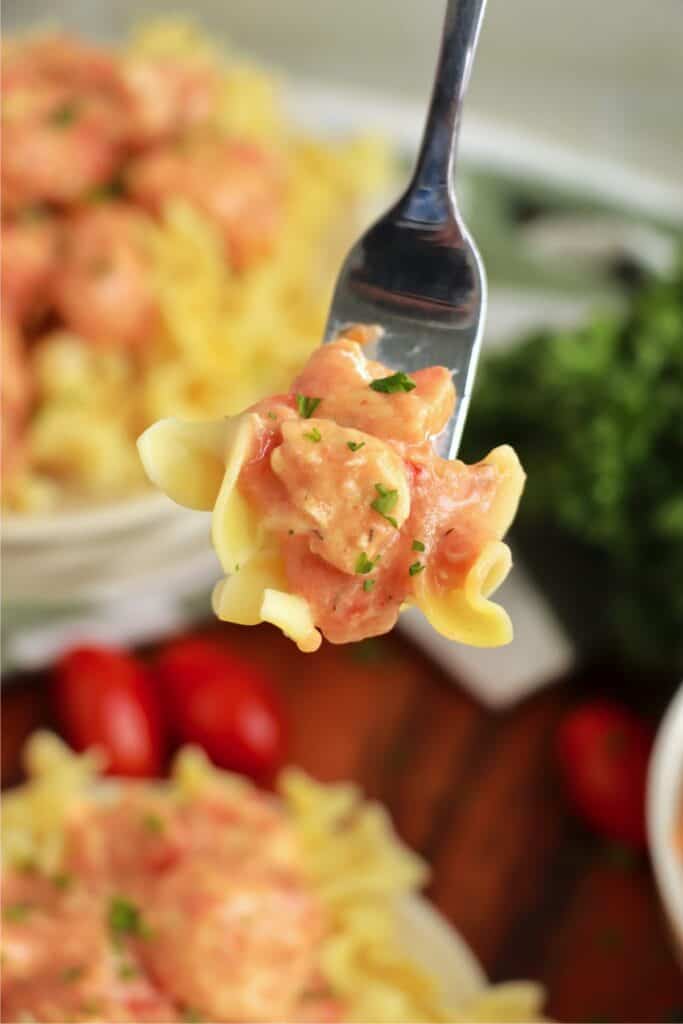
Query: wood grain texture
x: 476, y: 793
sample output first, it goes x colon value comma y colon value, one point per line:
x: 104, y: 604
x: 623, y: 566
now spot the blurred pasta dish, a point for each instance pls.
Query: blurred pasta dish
x: 207, y: 899
x: 169, y: 241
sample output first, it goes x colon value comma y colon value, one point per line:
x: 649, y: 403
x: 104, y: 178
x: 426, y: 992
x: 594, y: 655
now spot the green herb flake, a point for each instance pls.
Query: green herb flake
x: 355, y: 446
x: 364, y: 564
x: 71, y: 974
x: 306, y: 405
x: 152, y: 823
x: 127, y: 972
x: 124, y: 918
x: 415, y: 568
x: 17, y: 912
x: 368, y: 585
x: 271, y: 415
x: 64, y: 115
x: 396, y: 382
x: 417, y: 545
x: 385, y: 502
x: 90, y: 1008
x: 313, y: 435
x: 63, y: 881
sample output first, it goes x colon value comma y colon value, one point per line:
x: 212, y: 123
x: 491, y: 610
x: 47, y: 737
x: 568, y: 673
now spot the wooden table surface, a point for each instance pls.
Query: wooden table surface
x: 475, y: 792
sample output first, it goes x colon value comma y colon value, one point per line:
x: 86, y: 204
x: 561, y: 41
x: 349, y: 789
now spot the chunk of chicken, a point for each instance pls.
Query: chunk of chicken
x: 29, y: 264
x: 236, y: 184
x: 168, y: 97
x: 233, y: 945
x: 64, y: 115
x: 15, y: 397
x: 103, y: 289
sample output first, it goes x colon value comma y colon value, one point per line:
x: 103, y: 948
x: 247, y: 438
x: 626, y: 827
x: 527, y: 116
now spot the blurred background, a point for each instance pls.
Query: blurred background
x: 571, y: 179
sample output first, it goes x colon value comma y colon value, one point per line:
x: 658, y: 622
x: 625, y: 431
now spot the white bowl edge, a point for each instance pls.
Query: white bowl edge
x: 664, y: 803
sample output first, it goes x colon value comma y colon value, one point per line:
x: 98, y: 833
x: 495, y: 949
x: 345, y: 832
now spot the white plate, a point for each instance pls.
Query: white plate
x: 429, y: 940
x: 664, y: 808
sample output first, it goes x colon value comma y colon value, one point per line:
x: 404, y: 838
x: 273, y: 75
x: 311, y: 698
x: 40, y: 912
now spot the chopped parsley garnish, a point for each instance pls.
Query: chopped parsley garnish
x: 396, y: 382
x: 64, y: 115
x: 355, y: 445
x: 417, y: 545
x: 313, y: 435
x: 364, y: 564
x: 127, y: 972
x: 271, y: 415
x: 415, y: 568
x: 368, y: 585
x: 306, y: 405
x: 63, y: 881
x: 125, y: 919
x: 73, y: 973
x: 385, y: 502
x: 152, y: 822
x: 17, y: 911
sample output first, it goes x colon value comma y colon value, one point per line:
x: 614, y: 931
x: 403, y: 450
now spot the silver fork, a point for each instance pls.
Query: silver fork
x: 416, y: 271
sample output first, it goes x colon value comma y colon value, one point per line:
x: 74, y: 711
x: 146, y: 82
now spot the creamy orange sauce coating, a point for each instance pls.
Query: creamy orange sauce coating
x: 167, y: 911
x: 347, y: 478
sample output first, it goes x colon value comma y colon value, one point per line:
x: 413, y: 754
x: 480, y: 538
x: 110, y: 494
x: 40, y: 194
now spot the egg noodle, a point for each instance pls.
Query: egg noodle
x: 224, y: 338
x: 350, y: 854
x: 198, y: 465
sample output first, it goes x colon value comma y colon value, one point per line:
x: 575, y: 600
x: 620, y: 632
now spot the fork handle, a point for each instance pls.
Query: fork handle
x: 430, y: 197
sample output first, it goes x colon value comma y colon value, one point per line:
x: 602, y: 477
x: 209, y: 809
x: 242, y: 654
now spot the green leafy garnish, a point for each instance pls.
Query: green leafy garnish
x: 385, y: 502
x: 364, y: 564
x: 313, y: 435
x: 271, y: 415
x: 152, y: 822
x: 306, y: 405
x: 595, y: 413
x: 124, y: 918
x: 17, y: 911
x: 415, y: 568
x: 127, y: 972
x: 417, y: 545
x: 368, y: 585
x: 64, y: 115
x: 396, y: 382
x: 355, y: 445
x: 70, y: 974
x: 63, y: 881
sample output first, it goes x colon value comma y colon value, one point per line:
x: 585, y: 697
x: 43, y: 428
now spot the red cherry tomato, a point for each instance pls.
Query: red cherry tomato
x: 603, y: 758
x: 226, y: 704
x: 107, y: 698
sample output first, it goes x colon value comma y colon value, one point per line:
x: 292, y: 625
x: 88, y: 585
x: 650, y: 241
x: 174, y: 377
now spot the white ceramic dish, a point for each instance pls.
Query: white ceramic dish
x: 432, y: 943
x: 664, y: 808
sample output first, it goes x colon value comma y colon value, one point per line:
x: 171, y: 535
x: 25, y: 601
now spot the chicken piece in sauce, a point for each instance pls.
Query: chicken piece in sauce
x: 103, y: 289
x: 15, y: 396
x: 236, y: 184
x: 168, y: 97
x: 30, y: 250
x: 64, y: 113
x: 168, y: 909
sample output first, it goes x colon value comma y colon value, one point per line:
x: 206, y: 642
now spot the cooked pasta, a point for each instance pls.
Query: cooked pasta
x: 189, y: 332
x: 351, y: 858
x: 331, y: 511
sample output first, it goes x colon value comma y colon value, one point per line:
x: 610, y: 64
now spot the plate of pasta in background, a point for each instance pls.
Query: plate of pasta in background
x: 146, y: 901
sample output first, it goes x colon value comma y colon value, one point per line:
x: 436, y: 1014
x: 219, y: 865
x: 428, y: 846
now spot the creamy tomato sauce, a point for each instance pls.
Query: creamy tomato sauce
x: 167, y: 911
x: 344, y: 472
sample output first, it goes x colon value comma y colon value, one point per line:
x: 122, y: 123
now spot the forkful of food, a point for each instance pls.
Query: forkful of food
x: 340, y: 503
